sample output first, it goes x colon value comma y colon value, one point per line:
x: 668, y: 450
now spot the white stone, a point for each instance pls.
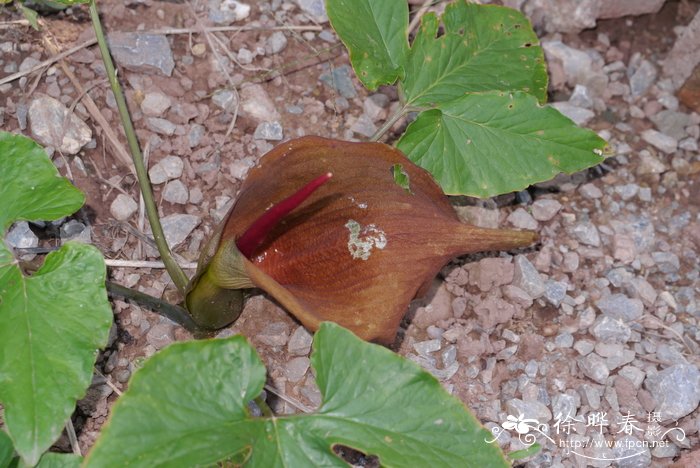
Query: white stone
x: 52, y: 124
x: 663, y: 142
x: 123, y: 207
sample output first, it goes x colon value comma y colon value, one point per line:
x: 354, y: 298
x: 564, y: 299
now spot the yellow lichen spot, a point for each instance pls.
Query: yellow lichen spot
x: 539, y: 133
x: 388, y: 439
x: 428, y: 58
x: 553, y: 160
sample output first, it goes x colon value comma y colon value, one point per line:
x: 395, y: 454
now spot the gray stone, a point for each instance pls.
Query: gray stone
x: 676, y: 390
x: 123, y: 207
x: 175, y: 192
x: 268, y: 131
x: 584, y: 347
x: 178, y: 226
x: 545, y: 209
x: 374, y: 107
x: 594, y: 367
x: 576, y: 63
x: 28, y: 63
x: 274, y: 334
x: 586, y: 233
x: 581, y: 97
x: 172, y: 166
x: 620, y: 8
x: 564, y: 340
x: 227, y: 11
x: 529, y: 409
x: 621, y: 359
x: 670, y: 354
x: 580, y: 115
x: 633, y: 374
x: 645, y: 194
x: 641, y: 77
x: 630, y: 452
x: 225, y: 99
x: 667, y: 262
x: 478, y: 216
x: 327, y: 36
x: 339, y: 79
x: 527, y: 278
x: 672, y: 123
x: 620, y: 307
x: 161, y: 126
x: 564, y: 406
x: 155, y: 104
x: 688, y: 144
x: 21, y: 236
x: 685, y: 54
x: 590, y: 191
x: 516, y: 296
x: 364, y: 126
x: 627, y: 191
x: 142, y: 52
x: 590, y: 395
x: 609, y: 330
x: 245, y: 56
x: 531, y: 369
x: 649, y: 164
x: 663, y: 142
x: 195, y: 135
x: 196, y: 196
x: 619, y: 277
x: 314, y: 8
x: 256, y: 103
x: 300, y: 342
x: 75, y: 231
x: 573, y: 16
x: 522, y: 219
x: 276, y: 43
x: 160, y: 335
x: 555, y: 291
x: 52, y: 124
x: 570, y: 262
x: 296, y: 368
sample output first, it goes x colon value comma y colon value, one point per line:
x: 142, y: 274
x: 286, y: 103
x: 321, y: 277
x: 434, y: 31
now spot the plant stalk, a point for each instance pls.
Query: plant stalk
x: 178, y: 276
x: 264, y: 407
x: 389, y: 123
x: 172, y: 312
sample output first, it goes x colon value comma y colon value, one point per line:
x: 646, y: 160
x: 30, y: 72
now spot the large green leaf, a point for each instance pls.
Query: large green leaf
x: 59, y: 460
x: 51, y: 323
x: 491, y: 143
x: 187, y: 407
x: 376, y: 35
x: 482, y: 48
x: 6, y: 449
x: 30, y: 187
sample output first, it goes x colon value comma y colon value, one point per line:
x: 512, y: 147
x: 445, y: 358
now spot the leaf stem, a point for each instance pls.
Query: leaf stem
x: 178, y: 276
x: 264, y: 407
x: 172, y: 312
x: 400, y: 112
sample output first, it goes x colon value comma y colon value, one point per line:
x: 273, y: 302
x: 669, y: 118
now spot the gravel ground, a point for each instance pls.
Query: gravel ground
x: 593, y: 334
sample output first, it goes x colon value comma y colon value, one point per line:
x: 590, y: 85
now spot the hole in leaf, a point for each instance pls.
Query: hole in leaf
x: 510, y: 106
x: 516, y: 26
x: 527, y: 44
x: 461, y: 31
x: 355, y: 457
